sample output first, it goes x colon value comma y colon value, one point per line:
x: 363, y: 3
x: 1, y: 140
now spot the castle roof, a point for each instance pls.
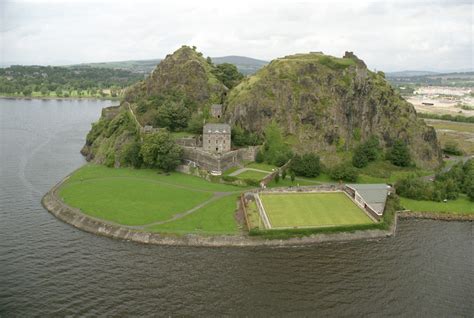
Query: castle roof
x: 216, y: 129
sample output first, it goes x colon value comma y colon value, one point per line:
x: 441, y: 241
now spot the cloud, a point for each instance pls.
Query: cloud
x: 388, y: 35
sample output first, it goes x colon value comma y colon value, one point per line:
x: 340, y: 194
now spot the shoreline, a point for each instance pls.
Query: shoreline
x: 76, y: 218
x: 57, y: 98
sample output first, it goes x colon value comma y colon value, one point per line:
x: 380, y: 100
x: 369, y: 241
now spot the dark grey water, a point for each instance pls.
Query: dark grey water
x: 48, y: 268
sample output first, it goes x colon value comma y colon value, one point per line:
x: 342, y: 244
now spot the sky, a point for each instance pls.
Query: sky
x: 396, y: 35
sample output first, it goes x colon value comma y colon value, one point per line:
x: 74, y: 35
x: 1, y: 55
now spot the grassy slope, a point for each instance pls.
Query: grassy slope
x: 137, y: 197
x: 250, y: 174
x: 322, y: 209
x: 460, y: 206
x: 215, y: 218
x: 130, y: 201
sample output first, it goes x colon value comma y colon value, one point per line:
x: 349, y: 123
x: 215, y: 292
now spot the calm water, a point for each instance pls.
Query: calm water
x: 48, y: 268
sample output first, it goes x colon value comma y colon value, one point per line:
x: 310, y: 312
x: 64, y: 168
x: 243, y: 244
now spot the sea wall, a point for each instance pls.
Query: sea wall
x: 52, y: 202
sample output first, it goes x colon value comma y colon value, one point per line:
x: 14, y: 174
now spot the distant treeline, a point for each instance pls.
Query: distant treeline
x: 64, y: 81
x: 457, y: 118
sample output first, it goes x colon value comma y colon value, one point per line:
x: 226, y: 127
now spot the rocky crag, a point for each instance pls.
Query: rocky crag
x: 329, y: 105
x: 323, y: 104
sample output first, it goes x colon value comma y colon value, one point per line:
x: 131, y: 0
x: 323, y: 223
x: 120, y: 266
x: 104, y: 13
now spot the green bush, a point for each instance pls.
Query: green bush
x: 452, y: 148
x: 399, y: 154
x: 307, y: 165
x: 366, y: 152
x: 241, y: 137
x: 252, y: 182
x: 131, y: 155
x: 229, y: 178
x: 259, y: 157
x: 158, y: 150
x: 344, y: 172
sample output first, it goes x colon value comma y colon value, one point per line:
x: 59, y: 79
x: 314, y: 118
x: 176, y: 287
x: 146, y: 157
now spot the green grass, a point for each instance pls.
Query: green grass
x: 91, y: 171
x: 312, y: 210
x: 130, y: 201
x: 261, y: 166
x: 143, y: 196
x: 383, y: 171
x: 288, y: 183
x: 462, y: 205
x: 215, y: 218
x: 250, y: 174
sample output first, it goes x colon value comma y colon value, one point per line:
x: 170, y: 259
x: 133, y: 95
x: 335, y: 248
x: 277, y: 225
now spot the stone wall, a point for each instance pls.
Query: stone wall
x: 189, y: 141
x: 219, y: 162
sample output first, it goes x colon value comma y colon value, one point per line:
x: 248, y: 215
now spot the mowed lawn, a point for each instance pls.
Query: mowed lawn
x: 214, y: 218
x: 312, y: 210
x: 461, y: 205
x: 139, y: 197
x: 251, y: 174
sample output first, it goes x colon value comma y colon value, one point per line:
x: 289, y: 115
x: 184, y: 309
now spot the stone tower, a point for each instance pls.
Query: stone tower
x: 216, y: 138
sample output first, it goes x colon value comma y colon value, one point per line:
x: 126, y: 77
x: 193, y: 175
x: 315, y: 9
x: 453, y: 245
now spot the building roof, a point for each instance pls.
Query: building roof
x: 375, y: 195
x: 216, y: 129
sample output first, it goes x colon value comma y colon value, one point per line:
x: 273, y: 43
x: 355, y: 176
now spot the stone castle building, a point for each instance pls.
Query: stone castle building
x: 216, y: 110
x: 216, y: 138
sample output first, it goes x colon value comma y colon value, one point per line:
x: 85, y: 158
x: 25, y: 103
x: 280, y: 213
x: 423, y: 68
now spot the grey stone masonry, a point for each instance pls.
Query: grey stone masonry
x: 216, y: 138
x: 216, y: 110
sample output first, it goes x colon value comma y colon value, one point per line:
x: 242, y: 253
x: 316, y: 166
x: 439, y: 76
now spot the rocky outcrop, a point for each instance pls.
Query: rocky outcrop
x: 329, y: 105
x: 185, y: 71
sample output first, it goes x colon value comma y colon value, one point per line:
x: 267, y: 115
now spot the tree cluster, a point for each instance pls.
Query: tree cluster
x: 64, y: 80
x: 307, y: 165
x: 275, y: 150
x: 366, y: 152
x: 447, y: 185
x: 228, y: 74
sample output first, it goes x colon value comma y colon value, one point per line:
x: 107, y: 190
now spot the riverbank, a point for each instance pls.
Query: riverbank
x: 59, y: 98
x: 73, y: 216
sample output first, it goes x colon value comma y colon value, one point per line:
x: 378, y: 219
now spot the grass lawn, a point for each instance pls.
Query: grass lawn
x: 312, y: 210
x: 139, y: 197
x: 462, y: 205
x: 250, y: 174
x: 215, y: 218
x: 383, y: 171
x: 261, y: 166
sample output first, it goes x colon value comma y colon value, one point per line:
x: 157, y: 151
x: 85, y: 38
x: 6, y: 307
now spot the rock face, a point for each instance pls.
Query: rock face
x: 329, y: 105
x: 185, y: 71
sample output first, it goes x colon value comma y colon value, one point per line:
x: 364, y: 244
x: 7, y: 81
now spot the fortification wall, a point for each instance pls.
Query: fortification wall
x: 219, y: 162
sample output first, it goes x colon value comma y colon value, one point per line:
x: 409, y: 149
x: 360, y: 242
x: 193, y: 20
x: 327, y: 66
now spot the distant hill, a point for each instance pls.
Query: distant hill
x: 410, y: 73
x: 245, y: 65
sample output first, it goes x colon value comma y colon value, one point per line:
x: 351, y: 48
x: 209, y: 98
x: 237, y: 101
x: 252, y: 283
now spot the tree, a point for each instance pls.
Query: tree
x: 132, y: 156
x: 344, y: 172
x: 173, y: 116
x: 44, y: 91
x: 228, y: 74
x: 360, y: 159
x: 400, y: 154
x: 283, y: 174
x: 160, y: 151
x: 307, y: 165
x: 275, y: 150
x: 27, y: 91
x: 366, y: 152
x: 292, y: 176
x: 277, y: 177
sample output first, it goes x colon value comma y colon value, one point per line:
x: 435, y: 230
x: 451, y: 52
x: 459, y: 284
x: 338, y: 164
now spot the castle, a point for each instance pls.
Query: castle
x: 214, y: 152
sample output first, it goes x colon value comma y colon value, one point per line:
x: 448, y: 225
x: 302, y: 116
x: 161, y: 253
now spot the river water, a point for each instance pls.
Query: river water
x: 49, y: 268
